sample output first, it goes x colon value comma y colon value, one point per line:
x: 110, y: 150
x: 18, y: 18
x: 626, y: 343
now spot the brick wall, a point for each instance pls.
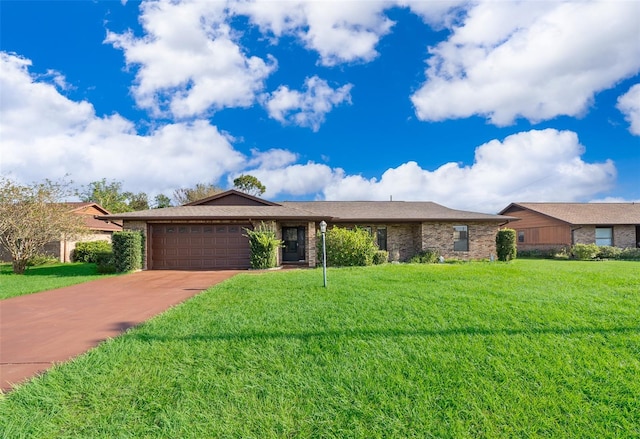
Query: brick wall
x: 482, y: 239
x: 625, y: 236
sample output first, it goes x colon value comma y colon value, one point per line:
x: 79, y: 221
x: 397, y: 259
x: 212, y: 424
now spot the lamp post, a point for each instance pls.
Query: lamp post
x: 323, y: 230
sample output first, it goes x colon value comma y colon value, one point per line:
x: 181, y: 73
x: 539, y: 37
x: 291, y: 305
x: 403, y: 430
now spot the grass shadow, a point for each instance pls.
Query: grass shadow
x: 55, y: 270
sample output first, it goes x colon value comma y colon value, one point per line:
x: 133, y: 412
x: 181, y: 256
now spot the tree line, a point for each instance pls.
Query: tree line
x: 111, y: 196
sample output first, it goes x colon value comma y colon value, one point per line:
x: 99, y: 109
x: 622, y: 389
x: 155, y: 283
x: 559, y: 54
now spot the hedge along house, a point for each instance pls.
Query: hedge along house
x: 546, y: 226
x: 210, y: 233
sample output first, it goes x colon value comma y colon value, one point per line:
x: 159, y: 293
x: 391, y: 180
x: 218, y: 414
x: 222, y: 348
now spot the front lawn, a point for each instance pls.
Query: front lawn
x: 530, y: 349
x: 44, y: 277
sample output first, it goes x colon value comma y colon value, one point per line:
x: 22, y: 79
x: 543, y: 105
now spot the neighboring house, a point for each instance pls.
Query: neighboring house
x: 97, y: 230
x: 544, y: 226
x: 209, y: 233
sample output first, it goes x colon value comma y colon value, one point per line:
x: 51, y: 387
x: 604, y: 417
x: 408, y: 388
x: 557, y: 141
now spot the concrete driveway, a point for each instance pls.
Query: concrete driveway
x: 41, y: 329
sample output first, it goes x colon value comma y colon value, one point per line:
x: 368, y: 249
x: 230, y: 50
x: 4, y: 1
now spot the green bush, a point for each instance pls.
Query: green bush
x: 127, y: 251
x: 348, y: 248
x: 630, y: 254
x: 585, y: 252
x: 86, y: 251
x: 42, y: 259
x: 380, y: 257
x: 264, y: 245
x: 429, y: 256
x: 105, y: 263
x: 506, y: 245
x: 609, y: 252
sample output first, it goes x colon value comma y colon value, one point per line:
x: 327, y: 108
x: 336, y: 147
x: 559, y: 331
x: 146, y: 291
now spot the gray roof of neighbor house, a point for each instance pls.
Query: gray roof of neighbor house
x: 584, y: 213
x: 336, y: 211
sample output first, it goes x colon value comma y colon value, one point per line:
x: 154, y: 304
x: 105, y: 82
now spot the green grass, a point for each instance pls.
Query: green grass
x: 44, y: 277
x: 530, y: 349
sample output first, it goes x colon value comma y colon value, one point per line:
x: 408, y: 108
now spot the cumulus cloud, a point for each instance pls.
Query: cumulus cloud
x: 309, y: 107
x: 46, y: 135
x: 629, y: 105
x: 338, y: 31
x: 535, y: 60
x: 189, y: 62
x: 528, y: 166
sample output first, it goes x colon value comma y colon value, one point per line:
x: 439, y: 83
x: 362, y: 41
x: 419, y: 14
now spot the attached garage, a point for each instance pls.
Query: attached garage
x: 199, y: 246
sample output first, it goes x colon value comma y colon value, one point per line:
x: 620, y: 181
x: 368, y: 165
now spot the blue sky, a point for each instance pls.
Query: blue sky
x: 469, y: 104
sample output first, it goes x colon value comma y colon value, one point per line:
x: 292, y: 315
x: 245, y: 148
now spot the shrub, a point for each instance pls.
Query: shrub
x: 86, y: 251
x: 506, y: 244
x: 264, y: 246
x: 127, y: 251
x: 630, y: 254
x: 105, y: 263
x: 380, y: 257
x: 609, y: 252
x: 348, y: 248
x: 41, y: 259
x: 585, y: 252
x: 429, y: 256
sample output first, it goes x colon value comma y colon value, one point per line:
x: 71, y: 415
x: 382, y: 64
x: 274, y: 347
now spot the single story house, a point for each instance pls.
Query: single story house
x: 210, y: 233
x: 97, y: 230
x: 545, y: 226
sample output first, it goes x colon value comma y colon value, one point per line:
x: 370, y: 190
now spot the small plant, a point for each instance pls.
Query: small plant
x: 609, y: 252
x: 585, y: 252
x: 87, y: 251
x: 630, y: 254
x: 380, y: 257
x: 429, y: 256
x: 264, y: 245
x: 506, y: 244
x: 105, y: 263
x: 41, y: 259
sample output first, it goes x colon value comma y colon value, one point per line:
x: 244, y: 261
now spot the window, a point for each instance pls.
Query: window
x: 604, y: 235
x: 460, y: 238
x: 521, y: 236
x: 381, y: 235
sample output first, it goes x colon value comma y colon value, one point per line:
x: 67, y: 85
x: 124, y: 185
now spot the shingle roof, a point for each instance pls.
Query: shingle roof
x: 391, y: 211
x: 315, y: 210
x: 587, y: 213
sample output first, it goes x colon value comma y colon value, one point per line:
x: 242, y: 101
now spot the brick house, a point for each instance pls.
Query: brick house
x: 209, y: 233
x: 544, y: 226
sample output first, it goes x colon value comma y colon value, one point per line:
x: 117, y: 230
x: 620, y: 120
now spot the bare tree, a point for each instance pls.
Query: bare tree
x: 32, y: 216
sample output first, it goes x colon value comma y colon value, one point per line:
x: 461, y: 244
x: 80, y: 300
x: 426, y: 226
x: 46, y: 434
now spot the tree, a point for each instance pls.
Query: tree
x: 506, y: 246
x: 111, y: 196
x: 249, y: 185
x: 32, y: 216
x: 161, y: 201
x: 200, y: 191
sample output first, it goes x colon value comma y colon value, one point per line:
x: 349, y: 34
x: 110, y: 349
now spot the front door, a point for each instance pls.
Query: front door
x: 294, y: 244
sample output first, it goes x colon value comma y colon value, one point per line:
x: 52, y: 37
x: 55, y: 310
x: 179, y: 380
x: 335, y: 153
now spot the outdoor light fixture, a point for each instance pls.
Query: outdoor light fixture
x: 323, y: 230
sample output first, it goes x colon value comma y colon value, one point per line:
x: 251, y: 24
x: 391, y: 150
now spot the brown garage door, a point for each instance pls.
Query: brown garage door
x: 199, y: 246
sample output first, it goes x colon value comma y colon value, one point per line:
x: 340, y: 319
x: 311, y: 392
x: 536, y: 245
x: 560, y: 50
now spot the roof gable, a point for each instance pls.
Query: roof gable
x: 231, y: 198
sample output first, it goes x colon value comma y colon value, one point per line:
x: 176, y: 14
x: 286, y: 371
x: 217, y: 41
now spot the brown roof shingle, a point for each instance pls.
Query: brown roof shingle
x: 587, y: 213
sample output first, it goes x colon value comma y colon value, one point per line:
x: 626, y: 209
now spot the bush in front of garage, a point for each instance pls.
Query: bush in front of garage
x: 127, y: 251
x: 264, y: 245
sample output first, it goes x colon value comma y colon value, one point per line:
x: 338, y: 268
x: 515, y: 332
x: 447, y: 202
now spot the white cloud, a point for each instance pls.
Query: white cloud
x: 535, y: 60
x: 46, y: 135
x: 188, y: 61
x: 528, y: 166
x: 307, y: 108
x: 340, y: 31
x: 629, y: 105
